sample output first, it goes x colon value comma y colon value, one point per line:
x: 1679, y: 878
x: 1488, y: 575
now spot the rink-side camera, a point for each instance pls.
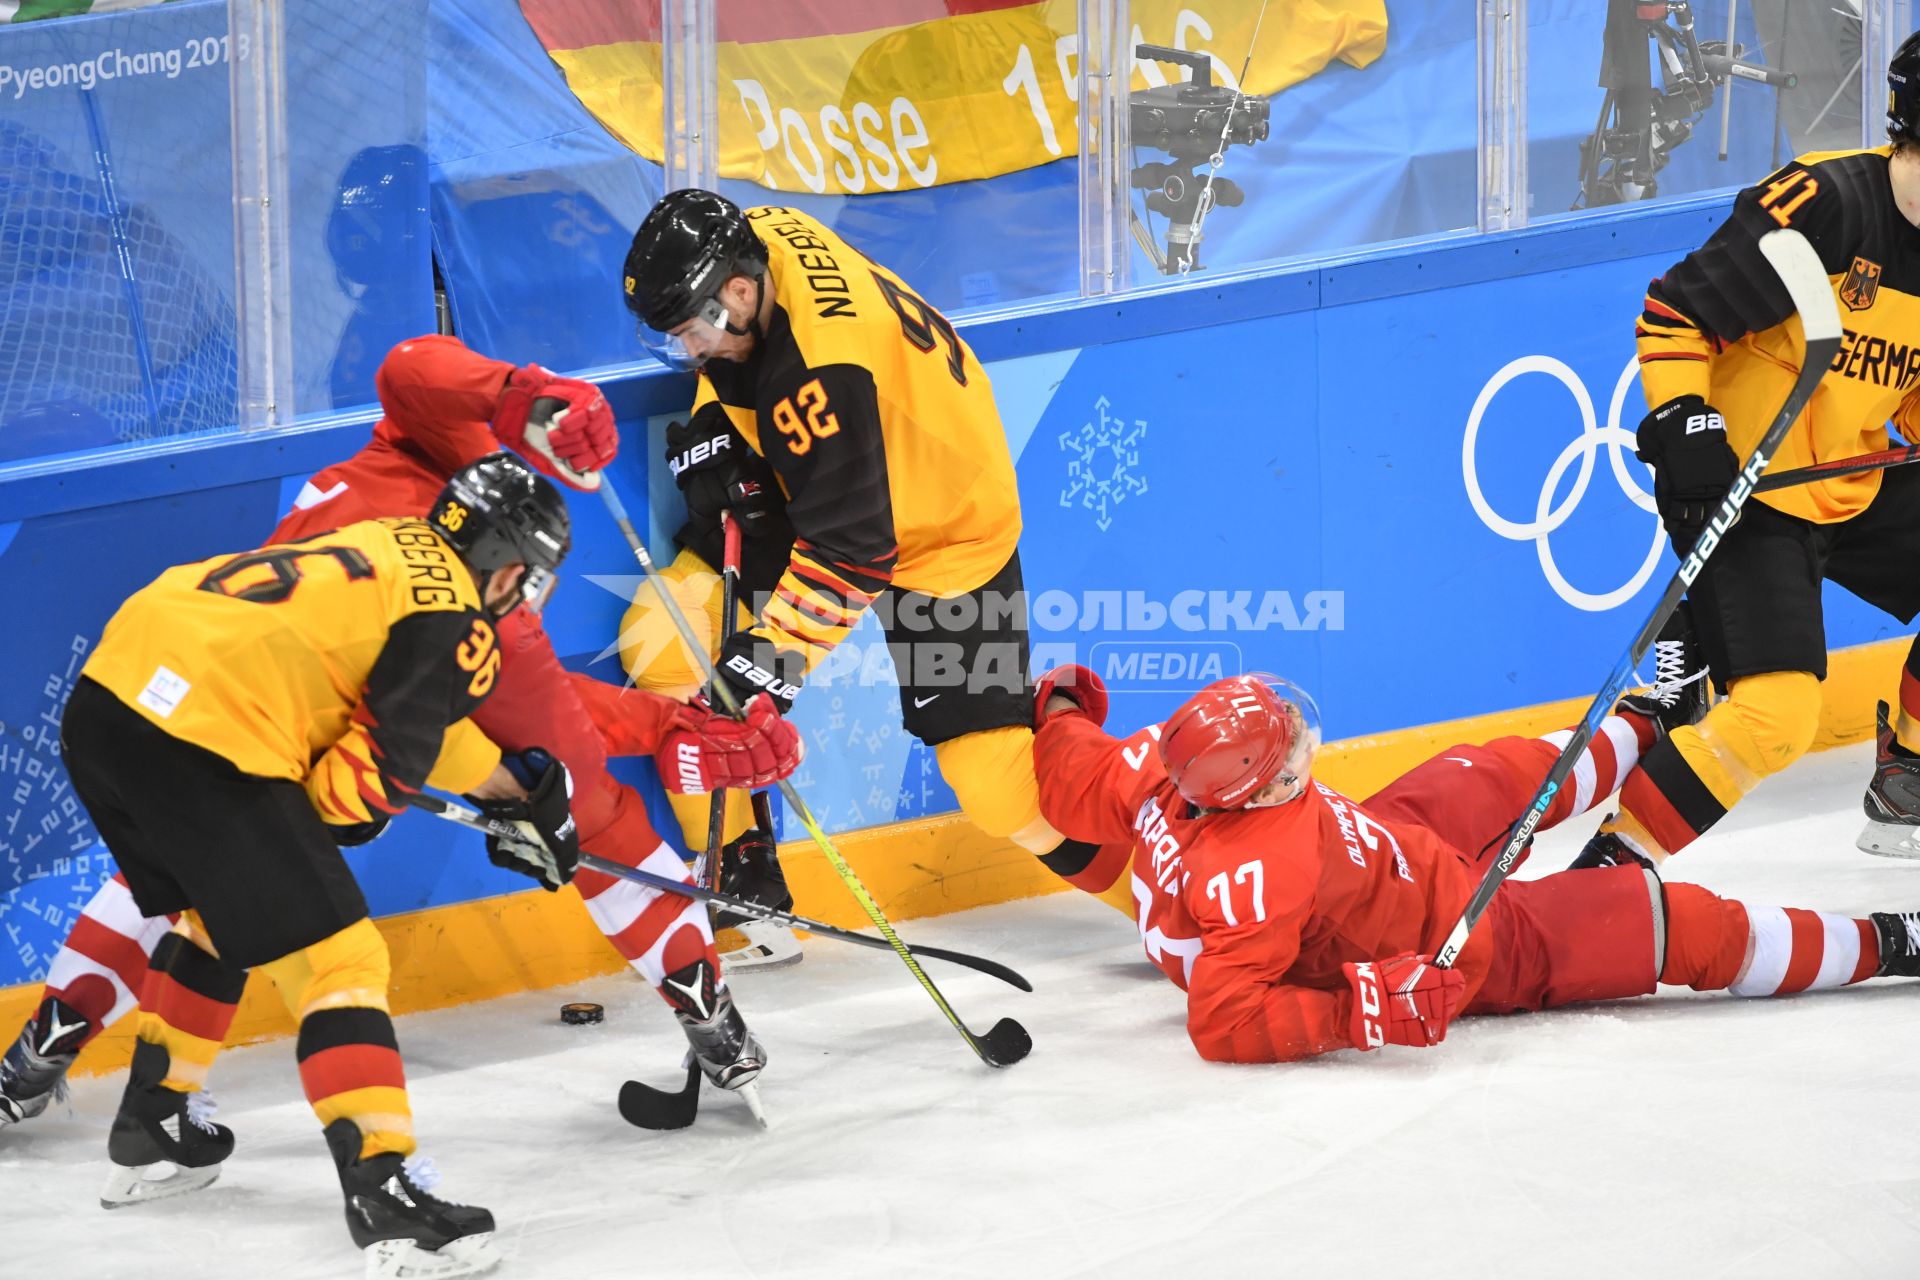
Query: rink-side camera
x: 1194, y: 122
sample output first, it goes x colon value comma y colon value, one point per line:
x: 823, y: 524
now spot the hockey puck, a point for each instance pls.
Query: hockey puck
x: 580, y: 1015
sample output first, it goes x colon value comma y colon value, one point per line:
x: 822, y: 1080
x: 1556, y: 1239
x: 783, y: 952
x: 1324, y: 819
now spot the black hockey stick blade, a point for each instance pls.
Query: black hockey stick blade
x: 646, y: 1107
x: 1005, y: 1043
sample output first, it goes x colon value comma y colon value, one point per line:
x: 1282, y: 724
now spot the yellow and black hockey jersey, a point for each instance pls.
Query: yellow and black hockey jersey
x: 344, y: 662
x: 881, y: 427
x: 1721, y: 326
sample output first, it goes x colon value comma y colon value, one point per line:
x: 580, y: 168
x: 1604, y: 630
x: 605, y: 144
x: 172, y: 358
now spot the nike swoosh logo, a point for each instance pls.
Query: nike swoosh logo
x: 1461, y: 760
x: 921, y: 702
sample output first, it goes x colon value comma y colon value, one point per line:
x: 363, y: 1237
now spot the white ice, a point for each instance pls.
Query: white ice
x: 1680, y: 1135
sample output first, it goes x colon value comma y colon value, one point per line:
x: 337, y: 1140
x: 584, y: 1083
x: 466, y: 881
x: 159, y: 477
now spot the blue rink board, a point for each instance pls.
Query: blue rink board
x: 1270, y: 470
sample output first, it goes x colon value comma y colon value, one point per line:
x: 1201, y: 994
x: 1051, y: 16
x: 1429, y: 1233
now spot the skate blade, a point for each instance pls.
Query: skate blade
x: 404, y: 1260
x: 1889, y: 839
x: 750, y: 1094
x: 761, y: 945
x: 157, y: 1181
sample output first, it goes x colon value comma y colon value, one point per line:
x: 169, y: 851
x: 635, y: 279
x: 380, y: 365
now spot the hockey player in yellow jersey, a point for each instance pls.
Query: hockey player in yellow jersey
x: 842, y: 420
x: 1719, y: 347
x: 241, y: 718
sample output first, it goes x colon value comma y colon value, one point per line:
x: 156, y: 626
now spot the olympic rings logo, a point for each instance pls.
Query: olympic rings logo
x: 1548, y: 517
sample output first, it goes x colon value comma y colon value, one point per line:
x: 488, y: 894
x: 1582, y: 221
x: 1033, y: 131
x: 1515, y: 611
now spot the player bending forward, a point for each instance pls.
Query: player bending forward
x: 1299, y: 921
x: 445, y: 407
x: 235, y: 715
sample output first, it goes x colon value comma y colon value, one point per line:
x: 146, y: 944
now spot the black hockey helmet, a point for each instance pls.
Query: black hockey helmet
x: 691, y: 243
x: 499, y: 511
x: 1903, y: 91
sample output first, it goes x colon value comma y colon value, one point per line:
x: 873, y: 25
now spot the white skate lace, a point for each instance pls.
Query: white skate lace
x: 1670, y: 672
x: 1911, y: 919
x: 200, y: 1110
x: 422, y: 1172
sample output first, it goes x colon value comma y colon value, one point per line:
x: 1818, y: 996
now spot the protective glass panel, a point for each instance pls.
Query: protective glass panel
x: 1356, y: 124
x: 360, y: 261
x: 116, y: 229
x: 938, y: 139
x: 1630, y: 101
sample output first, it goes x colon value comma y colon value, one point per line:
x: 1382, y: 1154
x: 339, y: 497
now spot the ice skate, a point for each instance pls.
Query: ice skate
x: 408, y: 1233
x: 729, y: 1054
x: 1899, y: 933
x: 1680, y: 693
x: 34, y: 1071
x: 164, y: 1142
x: 1892, y: 801
x: 1608, y: 850
x: 750, y: 869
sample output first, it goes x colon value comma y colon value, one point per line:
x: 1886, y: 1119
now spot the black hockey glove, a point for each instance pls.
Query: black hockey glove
x: 548, y: 848
x: 749, y: 666
x: 716, y: 470
x: 1685, y: 442
x: 347, y: 835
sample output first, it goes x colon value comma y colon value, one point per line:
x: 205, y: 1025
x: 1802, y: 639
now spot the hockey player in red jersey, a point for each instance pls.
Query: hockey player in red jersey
x: 1299, y: 921
x: 444, y: 407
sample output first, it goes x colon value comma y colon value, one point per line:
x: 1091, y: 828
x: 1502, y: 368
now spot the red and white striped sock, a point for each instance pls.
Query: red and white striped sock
x: 102, y: 965
x: 1609, y: 757
x: 1717, y: 944
x: 1791, y: 950
x: 658, y: 933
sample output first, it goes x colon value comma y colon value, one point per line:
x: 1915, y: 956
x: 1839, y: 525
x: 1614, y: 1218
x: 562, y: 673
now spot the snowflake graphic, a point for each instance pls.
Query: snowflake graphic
x: 1102, y: 463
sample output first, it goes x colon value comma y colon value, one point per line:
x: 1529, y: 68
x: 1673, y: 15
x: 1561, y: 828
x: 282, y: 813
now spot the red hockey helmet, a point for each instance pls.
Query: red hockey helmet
x: 1237, y: 735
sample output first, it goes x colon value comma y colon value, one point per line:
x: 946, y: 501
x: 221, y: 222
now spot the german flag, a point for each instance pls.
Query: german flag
x: 852, y: 96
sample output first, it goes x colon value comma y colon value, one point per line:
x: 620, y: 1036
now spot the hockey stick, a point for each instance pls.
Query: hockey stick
x: 473, y: 820
x: 1805, y: 278
x: 707, y: 870
x: 1840, y: 467
x: 1006, y: 1042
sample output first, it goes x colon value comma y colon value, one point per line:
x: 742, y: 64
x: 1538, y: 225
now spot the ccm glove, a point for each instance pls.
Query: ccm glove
x: 706, y: 751
x: 716, y: 472
x: 1077, y: 685
x: 1405, y: 1000
x: 548, y: 846
x: 749, y: 666
x: 561, y: 425
x: 1685, y: 442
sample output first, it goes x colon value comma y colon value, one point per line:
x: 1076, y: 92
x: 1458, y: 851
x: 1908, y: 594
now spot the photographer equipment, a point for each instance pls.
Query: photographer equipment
x: 1195, y: 122
x: 1640, y: 126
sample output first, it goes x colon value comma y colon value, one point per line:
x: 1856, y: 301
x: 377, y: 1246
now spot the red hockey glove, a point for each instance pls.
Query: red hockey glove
x: 1405, y: 1000
x: 561, y: 425
x: 1077, y: 685
x: 705, y: 751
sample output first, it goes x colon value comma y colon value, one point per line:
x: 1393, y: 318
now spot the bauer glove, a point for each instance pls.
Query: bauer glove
x: 561, y: 425
x: 548, y: 845
x: 1685, y: 442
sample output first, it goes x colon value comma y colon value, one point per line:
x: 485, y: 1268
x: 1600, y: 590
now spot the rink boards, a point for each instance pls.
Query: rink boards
x: 1404, y: 480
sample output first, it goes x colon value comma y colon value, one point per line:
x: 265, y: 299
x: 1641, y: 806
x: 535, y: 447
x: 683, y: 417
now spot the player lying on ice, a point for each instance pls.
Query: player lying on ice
x: 1299, y: 921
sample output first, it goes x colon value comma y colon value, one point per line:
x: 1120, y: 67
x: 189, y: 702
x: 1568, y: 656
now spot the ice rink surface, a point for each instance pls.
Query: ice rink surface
x: 1679, y: 1135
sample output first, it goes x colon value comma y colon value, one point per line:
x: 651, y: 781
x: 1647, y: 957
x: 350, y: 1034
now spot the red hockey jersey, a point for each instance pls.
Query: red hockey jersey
x: 438, y: 398
x: 1251, y: 912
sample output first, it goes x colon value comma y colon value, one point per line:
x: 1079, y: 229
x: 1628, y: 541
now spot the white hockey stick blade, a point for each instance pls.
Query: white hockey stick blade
x: 157, y: 1181
x: 404, y: 1260
x: 765, y: 944
x: 1800, y: 269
